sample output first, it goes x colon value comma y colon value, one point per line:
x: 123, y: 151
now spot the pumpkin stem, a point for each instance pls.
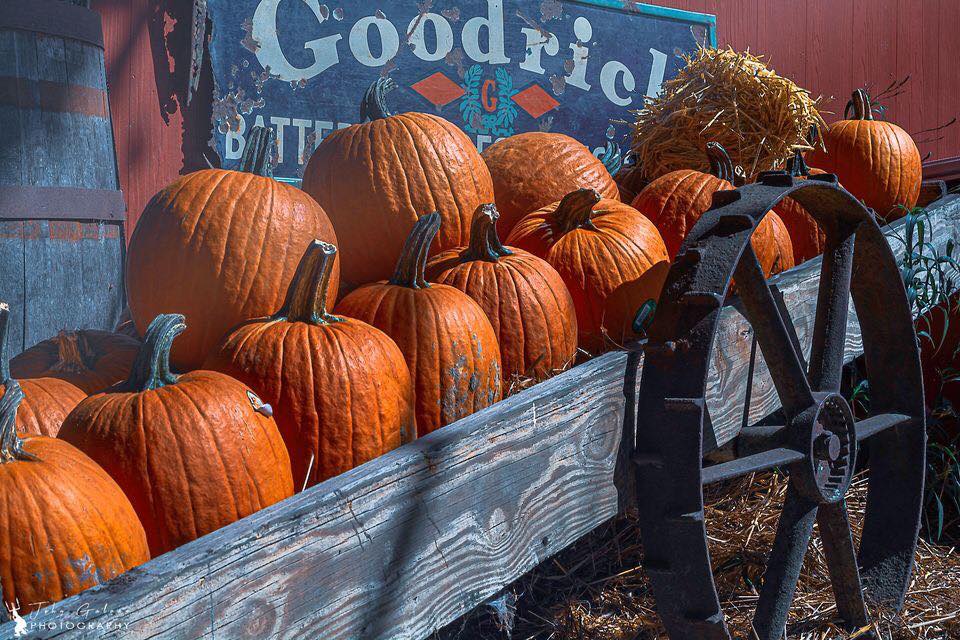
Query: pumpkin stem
x: 374, y: 104
x: 73, y: 352
x: 797, y: 165
x: 484, y: 242
x: 4, y: 354
x: 575, y: 211
x: 413, y: 260
x: 151, y: 369
x: 307, y: 296
x: 11, y: 446
x: 860, y: 102
x: 612, y: 158
x: 721, y: 165
x: 258, y: 153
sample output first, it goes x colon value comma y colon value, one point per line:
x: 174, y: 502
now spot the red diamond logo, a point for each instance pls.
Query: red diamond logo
x: 535, y: 101
x: 438, y: 89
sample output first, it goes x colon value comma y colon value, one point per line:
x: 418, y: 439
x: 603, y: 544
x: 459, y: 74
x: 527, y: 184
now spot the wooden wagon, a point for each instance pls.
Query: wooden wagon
x: 409, y: 542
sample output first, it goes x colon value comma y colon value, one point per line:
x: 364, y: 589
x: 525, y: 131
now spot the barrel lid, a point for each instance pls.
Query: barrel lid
x: 53, y: 18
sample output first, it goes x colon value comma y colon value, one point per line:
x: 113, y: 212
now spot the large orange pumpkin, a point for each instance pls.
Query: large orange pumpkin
x: 341, y: 388
x: 876, y: 161
x: 193, y: 452
x: 67, y: 526
x: 89, y: 359
x: 374, y: 178
x: 525, y: 299
x: 47, y: 401
x: 807, y: 237
x: 676, y: 200
x: 533, y: 170
x: 220, y: 247
x: 445, y: 336
x: 596, y: 245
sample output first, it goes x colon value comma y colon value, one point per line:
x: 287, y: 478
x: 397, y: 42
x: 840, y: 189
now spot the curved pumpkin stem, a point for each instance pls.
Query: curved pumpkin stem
x: 374, y: 104
x: 73, y: 352
x: 11, y: 446
x: 307, y: 296
x: 485, y: 244
x: 575, y: 211
x: 721, y: 165
x: 797, y: 165
x: 413, y: 260
x: 151, y: 369
x: 4, y: 353
x: 258, y: 153
x: 860, y: 102
x: 612, y: 158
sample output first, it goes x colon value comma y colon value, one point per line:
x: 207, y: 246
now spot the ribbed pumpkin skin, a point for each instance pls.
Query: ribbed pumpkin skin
x: 527, y: 303
x: 104, y: 359
x: 373, y: 178
x: 192, y: 456
x: 533, y: 170
x: 219, y: 247
x: 66, y: 525
x: 46, y: 404
x: 805, y: 234
x: 675, y: 201
x: 447, y: 341
x: 592, y: 262
x: 876, y: 161
x: 621, y: 306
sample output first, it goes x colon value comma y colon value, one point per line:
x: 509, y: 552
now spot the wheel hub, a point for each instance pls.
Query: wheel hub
x: 828, y: 434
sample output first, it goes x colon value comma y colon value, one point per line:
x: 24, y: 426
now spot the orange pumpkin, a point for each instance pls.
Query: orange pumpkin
x: 67, y: 525
x: 876, y: 161
x: 89, y: 359
x: 373, y: 178
x: 341, y: 388
x: 193, y: 452
x: 533, y: 170
x: 47, y: 401
x: 524, y: 298
x: 220, y: 247
x: 596, y: 245
x: 676, y: 200
x: 445, y: 336
x: 621, y: 306
x: 805, y: 234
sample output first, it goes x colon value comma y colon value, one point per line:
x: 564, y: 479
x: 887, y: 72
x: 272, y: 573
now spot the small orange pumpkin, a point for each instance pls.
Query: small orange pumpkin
x: 89, y: 359
x: 676, y: 200
x: 373, y: 178
x: 533, y: 170
x: 341, y: 388
x: 67, y: 525
x: 47, y: 401
x: 445, y: 336
x: 193, y: 452
x: 528, y: 304
x: 220, y: 247
x: 876, y: 161
x: 596, y: 245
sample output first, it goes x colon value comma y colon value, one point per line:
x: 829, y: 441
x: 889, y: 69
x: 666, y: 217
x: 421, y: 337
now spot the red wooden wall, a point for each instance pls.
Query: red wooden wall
x: 827, y: 46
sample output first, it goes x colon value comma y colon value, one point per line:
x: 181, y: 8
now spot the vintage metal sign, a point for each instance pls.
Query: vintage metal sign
x: 493, y: 67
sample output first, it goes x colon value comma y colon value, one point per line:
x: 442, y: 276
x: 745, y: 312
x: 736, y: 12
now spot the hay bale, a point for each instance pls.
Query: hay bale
x: 731, y: 98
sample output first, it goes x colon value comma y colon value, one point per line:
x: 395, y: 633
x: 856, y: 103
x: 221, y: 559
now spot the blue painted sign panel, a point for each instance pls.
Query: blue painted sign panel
x: 493, y: 67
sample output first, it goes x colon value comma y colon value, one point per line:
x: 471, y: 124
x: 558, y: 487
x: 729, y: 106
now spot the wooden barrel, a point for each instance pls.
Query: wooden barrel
x: 61, y: 210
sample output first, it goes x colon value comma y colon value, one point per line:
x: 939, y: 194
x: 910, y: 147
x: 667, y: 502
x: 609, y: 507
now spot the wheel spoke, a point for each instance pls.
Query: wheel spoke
x: 879, y: 423
x: 833, y: 302
x: 783, y: 565
x: 773, y: 335
x: 842, y: 562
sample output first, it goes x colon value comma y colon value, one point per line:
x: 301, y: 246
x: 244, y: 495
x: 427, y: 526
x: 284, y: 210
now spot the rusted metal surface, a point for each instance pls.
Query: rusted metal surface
x: 819, y: 440
x: 198, y: 42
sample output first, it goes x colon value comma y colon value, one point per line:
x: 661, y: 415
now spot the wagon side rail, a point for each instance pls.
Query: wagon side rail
x: 413, y: 540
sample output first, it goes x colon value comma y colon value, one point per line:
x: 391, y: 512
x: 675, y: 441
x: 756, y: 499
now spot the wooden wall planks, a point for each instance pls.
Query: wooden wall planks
x: 409, y: 542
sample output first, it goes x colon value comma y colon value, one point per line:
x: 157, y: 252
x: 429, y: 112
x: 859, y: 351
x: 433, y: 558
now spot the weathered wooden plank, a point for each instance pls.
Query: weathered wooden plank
x: 410, y: 541
x: 11, y: 278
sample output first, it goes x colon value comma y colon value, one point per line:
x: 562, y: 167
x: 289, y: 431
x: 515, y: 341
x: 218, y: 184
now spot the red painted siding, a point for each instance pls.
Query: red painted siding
x: 828, y: 46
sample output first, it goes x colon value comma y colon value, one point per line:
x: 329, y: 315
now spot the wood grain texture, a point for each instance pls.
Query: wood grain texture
x: 409, y: 542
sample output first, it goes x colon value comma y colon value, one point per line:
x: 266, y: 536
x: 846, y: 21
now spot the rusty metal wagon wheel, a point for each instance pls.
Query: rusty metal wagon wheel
x: 819, y: 439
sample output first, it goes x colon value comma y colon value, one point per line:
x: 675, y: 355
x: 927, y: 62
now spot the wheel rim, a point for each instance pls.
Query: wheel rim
x: 819, y: 428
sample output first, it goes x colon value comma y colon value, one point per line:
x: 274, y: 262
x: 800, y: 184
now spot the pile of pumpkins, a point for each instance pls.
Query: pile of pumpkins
x: 280, y: 337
